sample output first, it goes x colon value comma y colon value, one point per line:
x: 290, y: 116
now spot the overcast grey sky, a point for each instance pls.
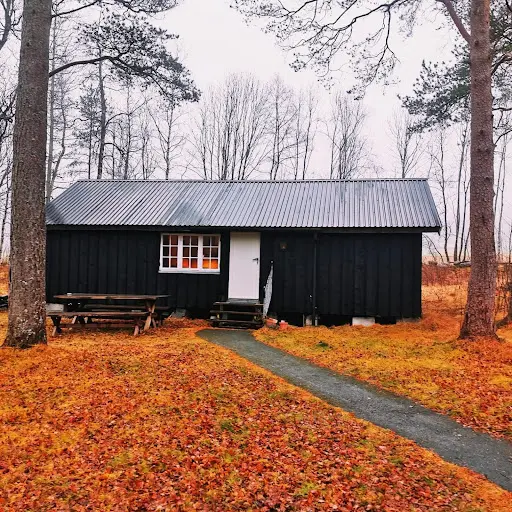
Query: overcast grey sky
x: 215, y: 41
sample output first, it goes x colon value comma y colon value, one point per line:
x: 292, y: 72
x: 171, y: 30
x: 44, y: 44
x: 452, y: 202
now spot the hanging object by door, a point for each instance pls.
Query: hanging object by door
x: 268, y: 290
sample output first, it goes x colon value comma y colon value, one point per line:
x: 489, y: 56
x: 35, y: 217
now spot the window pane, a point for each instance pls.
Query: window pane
x: 191, y: 258
x: 170, y: 248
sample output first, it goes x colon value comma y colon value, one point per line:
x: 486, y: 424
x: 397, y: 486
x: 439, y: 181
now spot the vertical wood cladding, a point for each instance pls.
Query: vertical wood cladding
x: 374, y: 274
x: 357, y: 274
x: 114, y: 261
x: 292, y: 284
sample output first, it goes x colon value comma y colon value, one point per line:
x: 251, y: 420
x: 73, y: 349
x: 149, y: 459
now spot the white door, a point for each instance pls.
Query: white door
x: 244, y: 266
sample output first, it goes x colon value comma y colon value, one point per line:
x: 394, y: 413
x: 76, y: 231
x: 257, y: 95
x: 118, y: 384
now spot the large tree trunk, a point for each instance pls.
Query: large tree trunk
x: 480, y: 307
x: 27, y: 305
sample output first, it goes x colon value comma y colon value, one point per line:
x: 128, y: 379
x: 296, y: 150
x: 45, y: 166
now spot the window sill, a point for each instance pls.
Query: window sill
x: 186, y: 271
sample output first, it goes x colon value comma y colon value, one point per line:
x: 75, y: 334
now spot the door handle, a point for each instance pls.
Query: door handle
x: 257, y: 260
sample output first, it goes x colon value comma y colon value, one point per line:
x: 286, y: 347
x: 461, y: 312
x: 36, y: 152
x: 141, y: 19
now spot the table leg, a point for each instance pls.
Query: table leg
x: 56, y: 325
x: 150, y: 306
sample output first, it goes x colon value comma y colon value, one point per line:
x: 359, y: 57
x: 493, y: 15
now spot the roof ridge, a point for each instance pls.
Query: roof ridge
x: 313, y: 180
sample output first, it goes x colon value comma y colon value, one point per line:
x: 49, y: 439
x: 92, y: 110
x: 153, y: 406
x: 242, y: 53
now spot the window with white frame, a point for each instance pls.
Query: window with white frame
x: 190, y: 253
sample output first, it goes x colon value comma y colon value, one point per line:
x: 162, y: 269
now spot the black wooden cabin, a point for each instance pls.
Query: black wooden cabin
x: 337, y: 249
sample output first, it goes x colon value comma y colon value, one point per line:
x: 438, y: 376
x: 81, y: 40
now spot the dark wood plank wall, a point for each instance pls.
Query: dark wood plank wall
x: 357, y: 274
x: 292, y: 283
x: 370, y: 275
x: 113, y: 261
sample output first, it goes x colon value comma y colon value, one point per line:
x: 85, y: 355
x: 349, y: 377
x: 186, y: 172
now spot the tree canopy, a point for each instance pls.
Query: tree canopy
x: 441, y: 92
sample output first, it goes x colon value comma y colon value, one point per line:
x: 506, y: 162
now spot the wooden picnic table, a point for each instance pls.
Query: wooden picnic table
x: 80, y: 303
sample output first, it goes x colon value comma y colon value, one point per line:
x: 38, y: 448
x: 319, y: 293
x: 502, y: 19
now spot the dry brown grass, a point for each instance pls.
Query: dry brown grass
x: 4, y: 279
x: 444, y: 275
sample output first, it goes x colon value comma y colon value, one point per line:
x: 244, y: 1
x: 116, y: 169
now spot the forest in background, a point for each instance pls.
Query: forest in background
x: 110, y: 121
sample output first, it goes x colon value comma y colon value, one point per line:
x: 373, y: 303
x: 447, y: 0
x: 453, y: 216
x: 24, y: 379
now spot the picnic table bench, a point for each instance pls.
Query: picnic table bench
x: 137, y: 317
x: 159, y: 314
x: 78, y: 306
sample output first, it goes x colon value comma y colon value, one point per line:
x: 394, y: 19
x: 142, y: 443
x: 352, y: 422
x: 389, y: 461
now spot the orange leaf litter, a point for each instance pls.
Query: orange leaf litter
x: 100, y: 420
x: 469, y: 381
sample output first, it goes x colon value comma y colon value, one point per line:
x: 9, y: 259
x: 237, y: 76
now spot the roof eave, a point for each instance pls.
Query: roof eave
x: 330, y: 229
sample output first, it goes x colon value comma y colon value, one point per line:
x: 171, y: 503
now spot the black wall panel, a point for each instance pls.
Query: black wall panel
x: 356, y: 274
x: 115, y: 261
x: 373, y: 274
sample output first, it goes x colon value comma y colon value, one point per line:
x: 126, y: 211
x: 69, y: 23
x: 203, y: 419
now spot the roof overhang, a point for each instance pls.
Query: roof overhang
x: 211, y: 229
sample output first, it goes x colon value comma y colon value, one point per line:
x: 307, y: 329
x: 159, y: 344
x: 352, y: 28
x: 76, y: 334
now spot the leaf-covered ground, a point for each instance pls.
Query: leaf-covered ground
x: 469, y: 381
x: 165, y: 421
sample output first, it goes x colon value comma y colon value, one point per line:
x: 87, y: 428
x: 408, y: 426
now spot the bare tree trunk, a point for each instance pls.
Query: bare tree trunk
x: 103, y: 121
x: 310, y: 132
x: 114, y: 149
x: 480, y: 307
x: 89, y: 150
x: 348, y: 144
x: 500, y: 198
x: 463, y: 252
x: 407, y: 142
x: 459, y: 204
x: 51, y: 114
x: 5, y: 214
x: 27, y: 304
x: 230, y: 136
x: 170, y: 142
x: 62, y: 152
x: 437, y: 159
x: 59, y: 105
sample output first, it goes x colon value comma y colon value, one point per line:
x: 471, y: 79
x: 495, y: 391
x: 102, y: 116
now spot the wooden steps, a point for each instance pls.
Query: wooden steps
x: 237, y: 313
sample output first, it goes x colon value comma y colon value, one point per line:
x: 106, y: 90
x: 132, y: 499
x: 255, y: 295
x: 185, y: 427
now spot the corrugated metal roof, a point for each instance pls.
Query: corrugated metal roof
x: 363, y: 204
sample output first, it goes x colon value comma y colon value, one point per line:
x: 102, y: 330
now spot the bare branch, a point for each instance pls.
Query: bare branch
x: 58, y: 14
x: 456, y: 19
x: 84, y: 62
